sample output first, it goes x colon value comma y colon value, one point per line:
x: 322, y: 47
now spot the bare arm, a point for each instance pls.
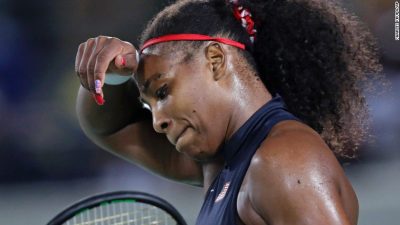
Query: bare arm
x: 121, y: 108
x: 295, y: 179
x: 121, y: 125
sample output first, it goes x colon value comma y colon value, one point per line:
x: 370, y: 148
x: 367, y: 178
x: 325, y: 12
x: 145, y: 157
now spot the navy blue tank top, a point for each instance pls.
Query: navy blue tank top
x: 219, y: 207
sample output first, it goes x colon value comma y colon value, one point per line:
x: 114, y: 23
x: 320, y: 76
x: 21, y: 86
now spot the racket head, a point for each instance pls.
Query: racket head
x: 112, y: 198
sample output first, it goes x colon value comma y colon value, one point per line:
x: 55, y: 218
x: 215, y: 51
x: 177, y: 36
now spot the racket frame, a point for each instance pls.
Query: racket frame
x: 109, y: 197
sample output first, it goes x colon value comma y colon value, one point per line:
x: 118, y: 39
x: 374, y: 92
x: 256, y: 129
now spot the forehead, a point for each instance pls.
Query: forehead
x: 150, y: 66
x: 155, y: 63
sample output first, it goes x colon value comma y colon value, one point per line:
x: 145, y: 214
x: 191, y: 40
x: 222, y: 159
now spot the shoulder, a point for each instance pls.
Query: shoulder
x: 292, y: 168
x: 290, y: 146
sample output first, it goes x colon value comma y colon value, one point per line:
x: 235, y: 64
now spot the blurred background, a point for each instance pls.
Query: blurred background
x: 47, y: 163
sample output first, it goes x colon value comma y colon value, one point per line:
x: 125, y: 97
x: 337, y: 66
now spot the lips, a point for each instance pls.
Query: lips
x: 175, y: 140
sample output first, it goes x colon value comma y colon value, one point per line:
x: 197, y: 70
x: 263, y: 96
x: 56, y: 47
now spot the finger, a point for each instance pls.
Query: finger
x: 120, y: 62
x: 103, y: 60
x: 98, y: 87
x: 78, y: 57
x: 127, y: 63
x: 98, y: 99
x: 84, y: 60
x: 98, y: 96
x: 97, y: 47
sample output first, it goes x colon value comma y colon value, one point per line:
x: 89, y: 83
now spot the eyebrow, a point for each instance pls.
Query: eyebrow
x: 147, y: 82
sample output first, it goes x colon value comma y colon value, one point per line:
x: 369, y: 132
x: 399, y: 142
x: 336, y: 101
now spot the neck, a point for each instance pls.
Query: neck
x: 248, y: 95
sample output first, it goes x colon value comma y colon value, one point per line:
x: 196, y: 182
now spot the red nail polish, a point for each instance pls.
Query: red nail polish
x: 98, y: 99
x: 123, y: 61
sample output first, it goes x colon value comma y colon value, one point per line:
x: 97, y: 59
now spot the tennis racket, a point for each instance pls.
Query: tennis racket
x: 120, y: 208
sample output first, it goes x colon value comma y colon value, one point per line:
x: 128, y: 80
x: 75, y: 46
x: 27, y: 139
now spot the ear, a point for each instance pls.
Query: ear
x: 216, y: 58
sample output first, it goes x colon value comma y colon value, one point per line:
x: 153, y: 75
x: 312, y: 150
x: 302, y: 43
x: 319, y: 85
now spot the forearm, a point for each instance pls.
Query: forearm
x: 120, y: 109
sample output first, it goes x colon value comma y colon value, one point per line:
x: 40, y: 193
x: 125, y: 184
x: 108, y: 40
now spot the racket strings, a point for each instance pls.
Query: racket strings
x: 122, y: 213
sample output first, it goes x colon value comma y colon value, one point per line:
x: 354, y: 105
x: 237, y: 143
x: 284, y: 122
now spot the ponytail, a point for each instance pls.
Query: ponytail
x: 317, y: 57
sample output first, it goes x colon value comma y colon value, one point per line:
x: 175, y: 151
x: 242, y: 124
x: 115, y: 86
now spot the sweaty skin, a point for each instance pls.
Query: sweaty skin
x: 293, y: 178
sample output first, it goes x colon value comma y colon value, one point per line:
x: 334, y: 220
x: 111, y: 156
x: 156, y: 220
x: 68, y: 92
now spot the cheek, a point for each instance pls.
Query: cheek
x: 192, y: 100
x: 211, y: 127
x: 197, y: 100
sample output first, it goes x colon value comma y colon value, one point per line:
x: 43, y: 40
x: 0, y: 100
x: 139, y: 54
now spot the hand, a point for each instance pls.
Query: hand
x: 100, y: 55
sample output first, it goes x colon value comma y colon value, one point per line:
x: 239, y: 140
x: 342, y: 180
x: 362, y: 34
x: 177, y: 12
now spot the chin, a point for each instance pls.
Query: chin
x: 195, y: 147
x: 197, y: 154
x: 203, y: 158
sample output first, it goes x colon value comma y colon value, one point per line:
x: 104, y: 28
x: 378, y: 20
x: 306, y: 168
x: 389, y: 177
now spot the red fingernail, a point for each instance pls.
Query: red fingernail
x: 123, y: 62
x: 98, y: 99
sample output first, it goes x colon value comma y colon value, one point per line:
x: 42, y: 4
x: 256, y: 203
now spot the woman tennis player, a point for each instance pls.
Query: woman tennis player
x: 252, y: 100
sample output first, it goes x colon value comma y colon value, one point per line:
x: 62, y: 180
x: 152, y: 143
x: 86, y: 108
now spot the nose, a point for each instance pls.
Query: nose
x: 160, y: 121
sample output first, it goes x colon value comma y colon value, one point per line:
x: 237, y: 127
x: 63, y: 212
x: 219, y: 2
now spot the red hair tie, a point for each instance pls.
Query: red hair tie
x: 244, y: 16
x: 190, y: 37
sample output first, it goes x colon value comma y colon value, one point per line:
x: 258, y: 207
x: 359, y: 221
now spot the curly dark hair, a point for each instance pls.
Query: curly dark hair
x: 317, y: 56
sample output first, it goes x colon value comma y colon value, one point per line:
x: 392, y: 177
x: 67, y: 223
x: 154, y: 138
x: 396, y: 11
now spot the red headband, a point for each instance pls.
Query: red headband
x: 190, y: 37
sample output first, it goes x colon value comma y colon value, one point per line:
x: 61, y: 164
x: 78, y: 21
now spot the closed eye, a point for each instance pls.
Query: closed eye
x: 162, y: 92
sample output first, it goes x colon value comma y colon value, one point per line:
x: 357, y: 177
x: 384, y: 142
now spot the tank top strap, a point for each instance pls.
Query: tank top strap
x: 254, y: 131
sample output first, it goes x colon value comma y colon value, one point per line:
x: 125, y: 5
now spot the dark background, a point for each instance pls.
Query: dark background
x: 46, y: 162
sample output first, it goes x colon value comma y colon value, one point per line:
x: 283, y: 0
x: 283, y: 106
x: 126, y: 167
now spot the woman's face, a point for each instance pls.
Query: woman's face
x: 186, y: 102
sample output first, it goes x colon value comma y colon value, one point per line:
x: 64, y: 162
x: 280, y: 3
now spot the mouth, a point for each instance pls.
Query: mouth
x: 180, y: 135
